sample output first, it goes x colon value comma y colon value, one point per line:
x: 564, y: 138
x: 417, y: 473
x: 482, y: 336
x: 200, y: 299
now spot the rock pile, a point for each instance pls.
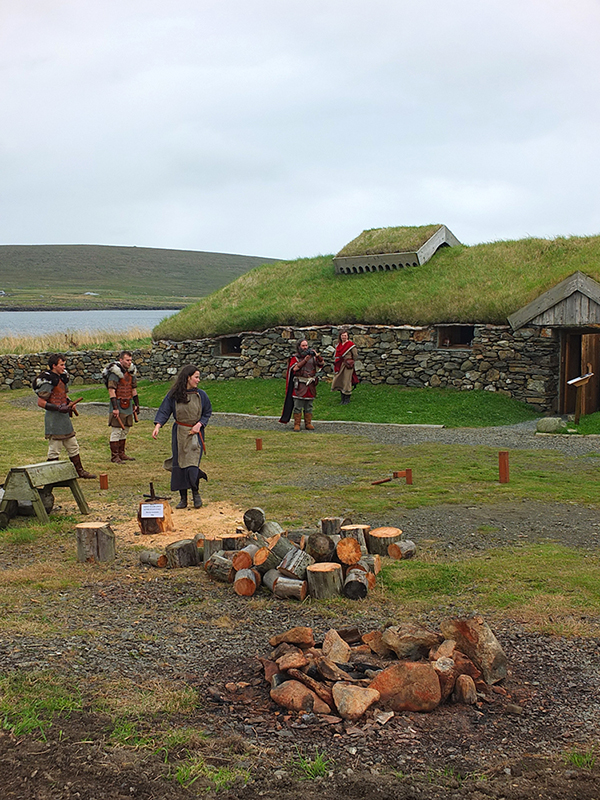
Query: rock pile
x: 402, y: 668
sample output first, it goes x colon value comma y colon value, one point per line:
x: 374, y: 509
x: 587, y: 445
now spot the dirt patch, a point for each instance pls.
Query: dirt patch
x: 212, y: 520
x: 148, y: 629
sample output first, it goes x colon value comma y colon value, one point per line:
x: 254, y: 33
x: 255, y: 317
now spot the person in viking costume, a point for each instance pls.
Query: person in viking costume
x: 345, y: 378
x: 51, y: 387
x: 191, y: 409
x: 121, y: 380
x: 301, y: 386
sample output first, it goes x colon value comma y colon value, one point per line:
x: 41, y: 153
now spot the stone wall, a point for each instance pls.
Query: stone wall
x: 522, y: 364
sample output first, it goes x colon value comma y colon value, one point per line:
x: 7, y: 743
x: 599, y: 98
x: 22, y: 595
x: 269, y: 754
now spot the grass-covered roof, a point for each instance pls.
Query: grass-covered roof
x: 481, y: 283
x: 376, y: 241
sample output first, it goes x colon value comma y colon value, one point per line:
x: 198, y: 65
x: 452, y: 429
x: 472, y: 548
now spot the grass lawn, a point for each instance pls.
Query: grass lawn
x: 370, y: 403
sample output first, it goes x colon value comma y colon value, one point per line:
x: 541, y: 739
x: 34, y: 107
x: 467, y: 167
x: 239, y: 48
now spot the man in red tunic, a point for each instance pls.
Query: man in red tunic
x: 301, y: 386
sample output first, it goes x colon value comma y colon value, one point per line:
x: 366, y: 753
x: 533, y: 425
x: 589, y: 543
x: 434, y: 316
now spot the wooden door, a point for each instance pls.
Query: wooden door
x: 579, y: 353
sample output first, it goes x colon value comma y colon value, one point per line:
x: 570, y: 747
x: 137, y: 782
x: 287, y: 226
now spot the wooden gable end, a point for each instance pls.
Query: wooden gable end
x: 573, y: 303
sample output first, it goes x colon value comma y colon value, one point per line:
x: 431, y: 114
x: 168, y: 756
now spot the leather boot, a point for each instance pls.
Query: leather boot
x: 297, y: 421
x: 308, y: 422
x: 54, y: 458
x: 122, y: 455
x: 81, y: 472
x: 115, y: 452
x: 183, y: 502
x: 197, y: 498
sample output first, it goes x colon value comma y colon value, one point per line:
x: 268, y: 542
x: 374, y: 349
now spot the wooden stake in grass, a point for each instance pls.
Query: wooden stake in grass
x: 503, y: 465
x: 404, y: 473
x: 259, y: 444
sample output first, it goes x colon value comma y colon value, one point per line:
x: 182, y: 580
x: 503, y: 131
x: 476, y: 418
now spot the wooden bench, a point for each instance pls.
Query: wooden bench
x: 23, y: 483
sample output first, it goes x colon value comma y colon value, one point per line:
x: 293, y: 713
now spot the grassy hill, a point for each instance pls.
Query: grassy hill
x: 58, y: 276
x: 481, y: 283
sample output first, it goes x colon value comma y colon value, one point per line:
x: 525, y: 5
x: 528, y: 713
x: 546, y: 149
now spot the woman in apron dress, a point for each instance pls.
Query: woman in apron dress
x: 191, y: 409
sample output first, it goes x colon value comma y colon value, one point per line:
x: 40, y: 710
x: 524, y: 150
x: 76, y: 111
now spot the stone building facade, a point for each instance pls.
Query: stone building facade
x: 522, y: 364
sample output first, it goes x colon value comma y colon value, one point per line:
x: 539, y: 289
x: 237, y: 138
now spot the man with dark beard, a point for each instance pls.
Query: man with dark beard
x: 301, y: 386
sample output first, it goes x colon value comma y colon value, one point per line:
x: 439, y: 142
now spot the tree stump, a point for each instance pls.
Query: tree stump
x: 288, y: 588
x: 246, y: 582
x: 299, y: 538
x: 270, y: 578
x: 356, y: 532
x: 403, y: 549
x: 254, y: 519
x: 356, y: 584
x: 320, y: 546
x: 324, y: 580
x: 153, y: 559
x: 231, y: 541
x: 183, y: 553
x: 220, y: 568
x: 332, y: 525
x: 151, y: 525
x: 294, y: 564
x: 95, y: 542
x: 380, y: 538
x: 348, y: 551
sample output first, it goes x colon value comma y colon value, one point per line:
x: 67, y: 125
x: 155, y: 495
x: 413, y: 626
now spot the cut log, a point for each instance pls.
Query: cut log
x: 287, y: 588
x: 356, y: 585
x: 270, y: 529
x: 370, y: 563
x: 183, y: 553
x: 4, y: 520
x: 379, y: 539
x: 244, y: 558
x: 211, y: 546
x: 356, y: 532
x: 348, y: 551
x: 234, y: 541
x: 152, y: 525
x: 95, y: 542
x: 320, y: 546
x: 332, y: 525
x: 294, y: 564
x: 403, y: 549
x: 265, y: 560
x: 298, y: 537
x: 254, y: 519
x: 324, y: 580
x: 153, y: 559
x: 199, y: 541
x: 220, y: 568
x: 281, y: 546
x: 270, y: 578
x: 246, y: 582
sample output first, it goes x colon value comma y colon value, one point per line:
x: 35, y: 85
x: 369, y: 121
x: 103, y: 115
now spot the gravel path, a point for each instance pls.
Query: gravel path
x: 522, y: 436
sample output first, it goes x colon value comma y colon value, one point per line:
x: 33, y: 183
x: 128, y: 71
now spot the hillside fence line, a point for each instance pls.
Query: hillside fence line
x: 522, y: 364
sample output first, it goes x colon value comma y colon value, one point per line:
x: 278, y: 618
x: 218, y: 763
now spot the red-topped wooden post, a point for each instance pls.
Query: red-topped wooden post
x: 503, y: 465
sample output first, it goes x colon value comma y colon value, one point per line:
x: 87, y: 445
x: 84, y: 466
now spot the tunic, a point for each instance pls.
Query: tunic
x: 54, y: 389
x: 186, y: 449
x: 345, y: 378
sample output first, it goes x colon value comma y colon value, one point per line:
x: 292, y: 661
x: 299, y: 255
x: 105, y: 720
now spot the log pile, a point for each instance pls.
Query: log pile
x: 340, y: 559
x: 400, y: 668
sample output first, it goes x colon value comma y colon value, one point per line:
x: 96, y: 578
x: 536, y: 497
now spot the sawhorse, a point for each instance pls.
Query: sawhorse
x: 23, y: 483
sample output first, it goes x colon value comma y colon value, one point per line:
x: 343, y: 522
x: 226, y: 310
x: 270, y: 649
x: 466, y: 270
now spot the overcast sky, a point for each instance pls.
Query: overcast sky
x: 285, y: 127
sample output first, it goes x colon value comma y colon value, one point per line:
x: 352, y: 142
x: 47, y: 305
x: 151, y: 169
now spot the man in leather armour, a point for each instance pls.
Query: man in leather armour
x: 301, y: 385
x: 51, y: 387
x: 121, y: 380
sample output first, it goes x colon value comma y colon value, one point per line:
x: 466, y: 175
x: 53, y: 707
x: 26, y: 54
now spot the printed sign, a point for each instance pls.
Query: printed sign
x: 152, y: 511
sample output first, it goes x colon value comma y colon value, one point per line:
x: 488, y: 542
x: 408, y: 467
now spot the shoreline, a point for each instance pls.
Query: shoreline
x: 162, y: 307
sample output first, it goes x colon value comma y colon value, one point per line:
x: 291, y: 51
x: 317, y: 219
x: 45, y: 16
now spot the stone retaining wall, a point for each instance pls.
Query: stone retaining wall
x: 522, y: 364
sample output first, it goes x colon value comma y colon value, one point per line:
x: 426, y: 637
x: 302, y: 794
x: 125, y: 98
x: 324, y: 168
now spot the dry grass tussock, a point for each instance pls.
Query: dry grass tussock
x: 70, y: 341
x: 153, y: 696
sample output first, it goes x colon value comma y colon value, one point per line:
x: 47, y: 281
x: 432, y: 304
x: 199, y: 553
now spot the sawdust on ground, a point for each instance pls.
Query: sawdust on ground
x: 211, y: 521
